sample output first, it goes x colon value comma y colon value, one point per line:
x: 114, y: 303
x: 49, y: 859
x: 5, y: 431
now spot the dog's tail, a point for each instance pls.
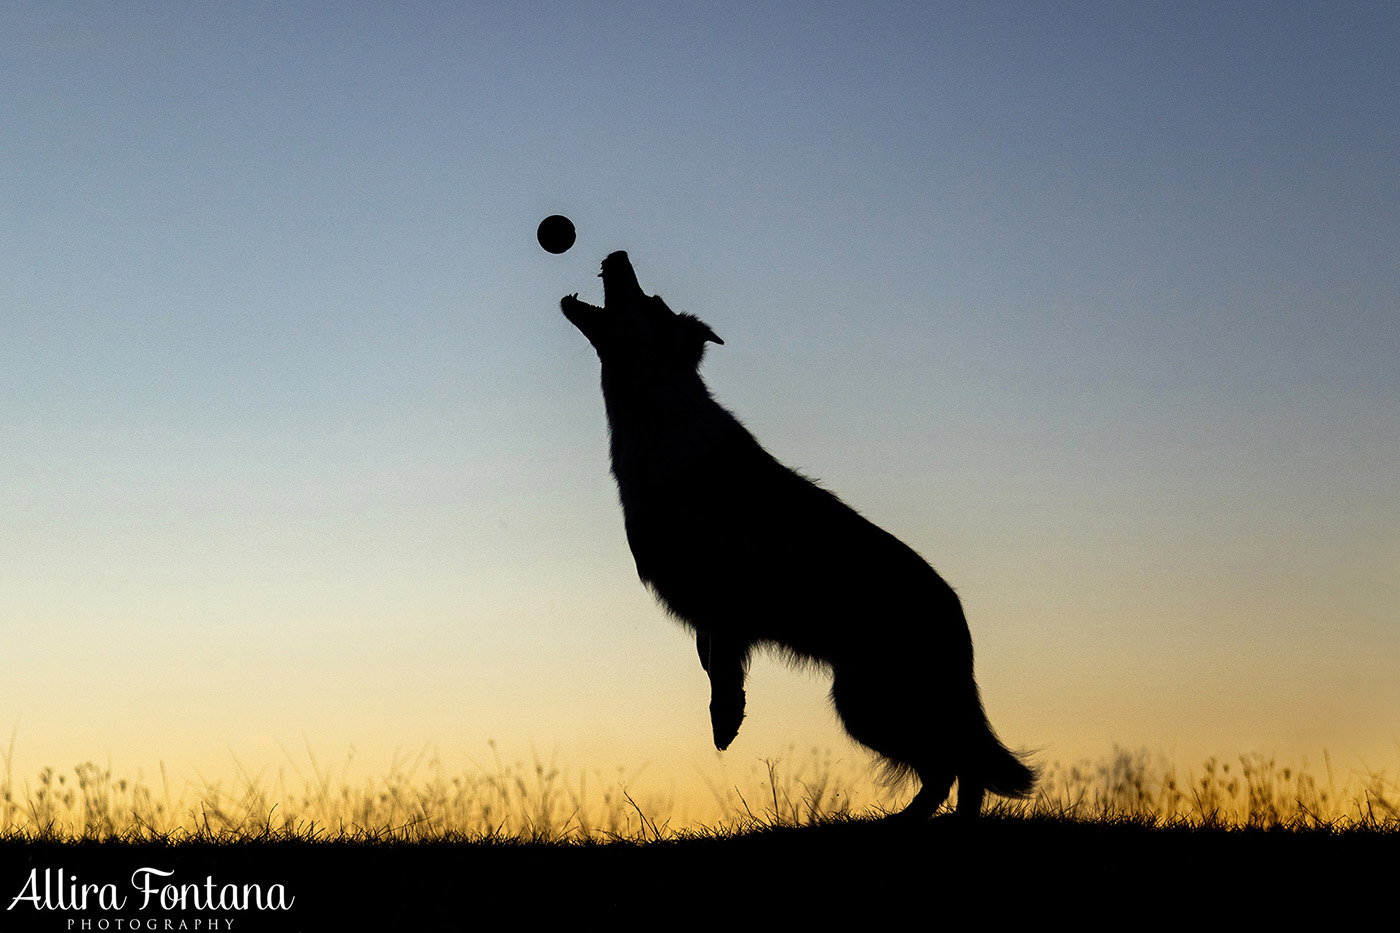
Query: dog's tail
x: 1002, y: 771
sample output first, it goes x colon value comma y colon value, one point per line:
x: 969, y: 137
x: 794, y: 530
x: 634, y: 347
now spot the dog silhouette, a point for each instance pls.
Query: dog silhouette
x: 748, y: 553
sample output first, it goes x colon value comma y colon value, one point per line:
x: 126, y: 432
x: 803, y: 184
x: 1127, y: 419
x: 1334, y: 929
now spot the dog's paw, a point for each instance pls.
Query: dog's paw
x: 726, y: 715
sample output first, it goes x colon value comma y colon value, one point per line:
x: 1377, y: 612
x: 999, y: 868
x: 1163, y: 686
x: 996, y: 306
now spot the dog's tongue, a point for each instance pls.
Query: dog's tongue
x: 620, y: 285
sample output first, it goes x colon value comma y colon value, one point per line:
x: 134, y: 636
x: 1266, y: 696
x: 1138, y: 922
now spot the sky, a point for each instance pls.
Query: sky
x: 1095, y: 305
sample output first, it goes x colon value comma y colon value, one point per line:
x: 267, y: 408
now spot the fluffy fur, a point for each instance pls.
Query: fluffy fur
x: 748, y: 553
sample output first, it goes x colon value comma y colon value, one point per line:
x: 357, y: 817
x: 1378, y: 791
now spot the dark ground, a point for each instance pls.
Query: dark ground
x: 941, y: 874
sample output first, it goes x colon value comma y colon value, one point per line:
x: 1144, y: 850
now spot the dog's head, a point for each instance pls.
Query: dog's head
x: 633, y: 329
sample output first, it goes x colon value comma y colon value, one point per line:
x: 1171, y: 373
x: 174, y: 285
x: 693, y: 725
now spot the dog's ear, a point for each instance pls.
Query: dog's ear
x: 699, y: 329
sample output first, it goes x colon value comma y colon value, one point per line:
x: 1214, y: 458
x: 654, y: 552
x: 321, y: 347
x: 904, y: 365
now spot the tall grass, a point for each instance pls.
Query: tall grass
x: 420, y: 798
x: 1252, y: 791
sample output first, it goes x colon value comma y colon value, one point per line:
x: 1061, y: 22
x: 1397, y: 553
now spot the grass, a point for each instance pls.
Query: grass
x: 1123, y: 840
x: 420, y: 799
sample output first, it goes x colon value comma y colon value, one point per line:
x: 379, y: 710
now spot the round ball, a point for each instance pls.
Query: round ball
x: 556, y: 233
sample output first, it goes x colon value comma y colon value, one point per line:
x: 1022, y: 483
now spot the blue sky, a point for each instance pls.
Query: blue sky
x: 1093, y: 304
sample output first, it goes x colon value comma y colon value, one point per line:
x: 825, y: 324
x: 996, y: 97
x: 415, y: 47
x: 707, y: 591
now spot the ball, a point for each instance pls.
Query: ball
x: 556, y: 233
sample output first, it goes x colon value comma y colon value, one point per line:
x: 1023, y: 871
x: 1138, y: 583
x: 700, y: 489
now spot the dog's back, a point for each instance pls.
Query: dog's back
x: 747, y: 552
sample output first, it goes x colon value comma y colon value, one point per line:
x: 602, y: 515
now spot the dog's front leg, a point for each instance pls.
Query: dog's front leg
x: 726, y: 660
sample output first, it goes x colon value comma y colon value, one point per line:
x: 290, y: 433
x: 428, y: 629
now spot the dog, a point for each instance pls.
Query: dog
x: 747, y: 553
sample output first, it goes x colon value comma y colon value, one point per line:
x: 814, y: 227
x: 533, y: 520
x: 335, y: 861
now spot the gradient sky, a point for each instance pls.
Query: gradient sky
x: 1096, y: 305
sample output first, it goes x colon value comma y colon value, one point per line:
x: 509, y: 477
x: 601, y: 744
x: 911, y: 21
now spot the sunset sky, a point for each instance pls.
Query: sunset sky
x: 1095, y: 305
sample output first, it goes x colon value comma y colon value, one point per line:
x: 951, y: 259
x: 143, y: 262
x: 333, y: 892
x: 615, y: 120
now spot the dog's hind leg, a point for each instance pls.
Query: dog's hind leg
x: 895, y: 716
x: 933, y: 790
x: 936, y: 782
x: 970, y: 794
x: 726, y: 660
